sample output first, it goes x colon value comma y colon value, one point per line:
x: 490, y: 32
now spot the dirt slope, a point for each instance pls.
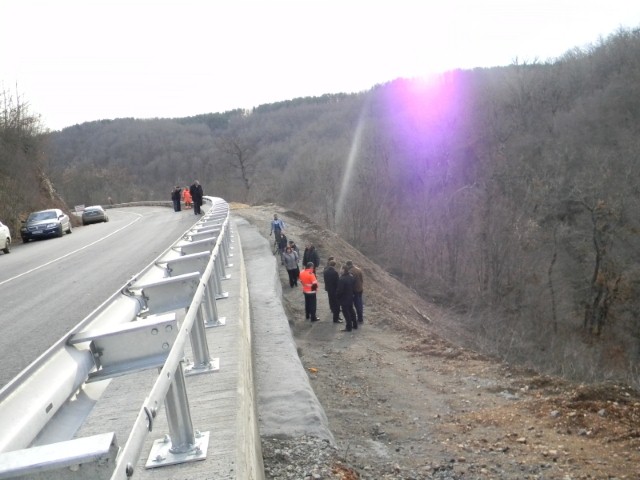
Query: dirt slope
x: 405, y: 402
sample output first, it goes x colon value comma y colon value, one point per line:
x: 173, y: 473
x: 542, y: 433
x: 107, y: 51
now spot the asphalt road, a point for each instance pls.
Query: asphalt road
x: 49, y: 286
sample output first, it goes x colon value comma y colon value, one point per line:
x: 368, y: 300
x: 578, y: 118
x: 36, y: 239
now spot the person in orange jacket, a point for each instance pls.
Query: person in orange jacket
x: 309, y: 287
x: 186, y: 197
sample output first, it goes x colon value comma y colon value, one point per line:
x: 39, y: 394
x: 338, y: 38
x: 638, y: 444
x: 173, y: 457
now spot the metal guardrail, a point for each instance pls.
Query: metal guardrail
x: 143, y: 313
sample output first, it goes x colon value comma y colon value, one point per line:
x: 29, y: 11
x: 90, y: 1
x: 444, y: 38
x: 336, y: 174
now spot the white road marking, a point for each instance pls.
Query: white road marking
x: 72, y: 253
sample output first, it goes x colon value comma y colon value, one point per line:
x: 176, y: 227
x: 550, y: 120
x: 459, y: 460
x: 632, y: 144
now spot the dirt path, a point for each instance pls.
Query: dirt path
x: 405, y: 403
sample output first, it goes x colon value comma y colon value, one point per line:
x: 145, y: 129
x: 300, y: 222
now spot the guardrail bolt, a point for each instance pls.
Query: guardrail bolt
x: 166, y: 439
x: 129, y: 470
x: 168, y: 328
x: 165, y: 346
x: 154, y: 331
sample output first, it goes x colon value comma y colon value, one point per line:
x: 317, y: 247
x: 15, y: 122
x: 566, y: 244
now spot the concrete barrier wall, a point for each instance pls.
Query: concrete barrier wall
x: 250, y: 463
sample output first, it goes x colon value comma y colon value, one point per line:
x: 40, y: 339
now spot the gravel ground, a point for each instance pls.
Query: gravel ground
x: 309, y: 458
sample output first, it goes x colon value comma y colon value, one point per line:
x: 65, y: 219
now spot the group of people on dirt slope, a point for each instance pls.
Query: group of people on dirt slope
x: 344, y: 289
x: 191, y: 196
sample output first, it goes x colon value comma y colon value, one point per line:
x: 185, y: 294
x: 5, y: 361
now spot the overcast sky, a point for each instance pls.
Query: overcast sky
x: 82, y: 60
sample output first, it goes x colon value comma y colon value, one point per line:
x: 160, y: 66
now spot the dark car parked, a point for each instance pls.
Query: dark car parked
x: 45, y: 223
x: 94, y: 214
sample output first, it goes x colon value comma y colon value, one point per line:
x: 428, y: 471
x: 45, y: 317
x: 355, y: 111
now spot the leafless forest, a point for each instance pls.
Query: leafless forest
x: 509, y: 195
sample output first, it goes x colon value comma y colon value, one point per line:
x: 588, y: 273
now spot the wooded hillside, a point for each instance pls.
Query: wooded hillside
x: 508, y: 194
x: 24, y: 153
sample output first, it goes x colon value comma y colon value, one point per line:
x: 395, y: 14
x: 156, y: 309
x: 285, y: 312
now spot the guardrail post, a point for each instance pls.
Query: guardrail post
x: 218, y: 274
x: 202, y: 362
x: 183, y: 444
x: 212, y: 319
x: 225, y: 248
x: 228, y: 242
x: 174, y: 293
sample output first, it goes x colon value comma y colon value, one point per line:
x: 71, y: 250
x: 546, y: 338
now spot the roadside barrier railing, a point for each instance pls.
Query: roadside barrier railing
x: 137, y: 328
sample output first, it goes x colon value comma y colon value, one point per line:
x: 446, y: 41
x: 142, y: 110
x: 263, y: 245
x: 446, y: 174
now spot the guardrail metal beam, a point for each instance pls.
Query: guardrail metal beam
x: 197, y: 262
x: 204, y: 245
x: 121, y: 337
x: 89, y: 457
x: 129, y: 348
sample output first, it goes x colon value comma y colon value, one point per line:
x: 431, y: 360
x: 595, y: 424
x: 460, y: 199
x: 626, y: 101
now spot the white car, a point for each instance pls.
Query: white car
x: 5, y: 238
x: 94, y: 214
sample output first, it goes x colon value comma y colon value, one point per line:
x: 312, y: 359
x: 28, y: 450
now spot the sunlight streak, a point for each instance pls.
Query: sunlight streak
x: 348, y: 170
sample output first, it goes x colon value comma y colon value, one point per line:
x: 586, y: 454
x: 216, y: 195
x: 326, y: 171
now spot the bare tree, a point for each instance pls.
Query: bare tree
x: 22, y: 161
x: 240, y: 152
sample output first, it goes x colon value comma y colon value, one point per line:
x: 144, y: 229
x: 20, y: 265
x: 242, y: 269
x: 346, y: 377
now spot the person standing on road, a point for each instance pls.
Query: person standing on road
x: 309, y: 287
x: 175, y: 198
x: 186, y: 197
x: 290, y: 259
x: 277, y: 227
x: 358, y: 288
x: 196, y: 195
x: 331, y: 277
x: 311, y: 255
x: 344, y: 293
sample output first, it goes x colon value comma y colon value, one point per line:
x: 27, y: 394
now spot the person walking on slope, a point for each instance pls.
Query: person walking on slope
x: 282, y: 244
x: 331, y: 277
x: 196, y: 194
x: 294, y: 247
x: 358, y: 288
x: 344, y: 293
x: 290, y: 259
x: 309, y: 288
x: 277, y: 227
x: 175, y: 198
x: 311, y: 255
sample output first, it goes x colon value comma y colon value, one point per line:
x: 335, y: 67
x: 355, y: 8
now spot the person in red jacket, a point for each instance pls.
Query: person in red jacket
x: 186, y: 197
x: 309, y: 288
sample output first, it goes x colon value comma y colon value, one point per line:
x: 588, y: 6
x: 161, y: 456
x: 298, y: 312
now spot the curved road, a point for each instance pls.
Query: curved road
x: 49, y: 286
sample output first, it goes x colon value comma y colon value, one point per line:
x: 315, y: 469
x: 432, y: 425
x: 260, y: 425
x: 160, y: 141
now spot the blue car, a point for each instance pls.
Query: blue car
x: 45, y: 223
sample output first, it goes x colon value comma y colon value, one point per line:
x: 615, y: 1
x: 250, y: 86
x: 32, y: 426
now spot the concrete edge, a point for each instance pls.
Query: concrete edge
x: 250, y: 464
x: 288, y: 406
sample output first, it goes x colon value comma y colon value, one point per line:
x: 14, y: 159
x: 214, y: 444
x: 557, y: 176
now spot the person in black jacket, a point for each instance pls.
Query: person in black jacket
x: 331, y: 278
x: 345, y: 298
x: 311, y: 255
x: 282, y: 244
x: 175, y: 198
x: 196, y: 195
